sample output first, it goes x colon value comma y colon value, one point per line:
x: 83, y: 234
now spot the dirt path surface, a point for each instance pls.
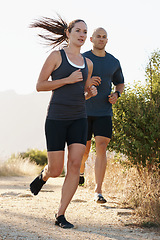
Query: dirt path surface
x: 24, y: 216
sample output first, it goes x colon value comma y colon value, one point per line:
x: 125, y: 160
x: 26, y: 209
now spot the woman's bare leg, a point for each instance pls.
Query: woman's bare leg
x: 53, y: 169
x: 75, y: 154
x: 55, y: 165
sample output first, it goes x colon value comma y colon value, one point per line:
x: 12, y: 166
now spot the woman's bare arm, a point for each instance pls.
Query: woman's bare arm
x: 52, y: 63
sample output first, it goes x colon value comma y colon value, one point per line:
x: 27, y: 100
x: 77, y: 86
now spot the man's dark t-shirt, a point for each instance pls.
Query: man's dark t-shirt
x: 109, y: 70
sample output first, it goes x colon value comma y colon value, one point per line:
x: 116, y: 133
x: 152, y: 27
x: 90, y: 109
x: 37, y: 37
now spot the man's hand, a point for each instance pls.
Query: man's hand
x: 113, y: 98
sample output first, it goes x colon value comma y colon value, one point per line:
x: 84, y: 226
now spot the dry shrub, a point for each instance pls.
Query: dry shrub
x: 141, y: 193
x: 18, y: 167
x: 145, y: 196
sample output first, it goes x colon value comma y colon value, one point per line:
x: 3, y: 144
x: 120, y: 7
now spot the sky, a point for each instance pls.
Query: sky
x: 132, y: 27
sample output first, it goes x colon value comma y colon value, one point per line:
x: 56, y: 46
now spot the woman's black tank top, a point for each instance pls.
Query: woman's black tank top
x: 68, y: 101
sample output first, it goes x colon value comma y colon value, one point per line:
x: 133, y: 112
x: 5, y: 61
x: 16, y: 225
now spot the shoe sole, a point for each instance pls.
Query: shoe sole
x: 101, y: 201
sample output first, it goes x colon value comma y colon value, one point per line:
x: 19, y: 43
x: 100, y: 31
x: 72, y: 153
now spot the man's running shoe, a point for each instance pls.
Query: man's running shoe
x: 99, y: 198
x: 81, y: 180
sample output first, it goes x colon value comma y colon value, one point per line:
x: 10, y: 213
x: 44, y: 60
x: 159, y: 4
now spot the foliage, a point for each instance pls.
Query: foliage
x: 34, y: 155
x: 37, y: 156
x: 153, y: 75
x: 136, y: 120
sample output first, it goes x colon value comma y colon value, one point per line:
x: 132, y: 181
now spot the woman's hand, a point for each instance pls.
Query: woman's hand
x: 91, y: 92
x: 75, y: 76
x: 95, y: 80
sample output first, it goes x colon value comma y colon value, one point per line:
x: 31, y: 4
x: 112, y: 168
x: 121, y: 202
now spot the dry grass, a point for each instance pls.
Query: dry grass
x: 145, y: 197
x: 18, y: 167
x: 129, y: 189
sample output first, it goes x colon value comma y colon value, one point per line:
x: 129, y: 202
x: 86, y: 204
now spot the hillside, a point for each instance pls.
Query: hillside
x: 22, y: 121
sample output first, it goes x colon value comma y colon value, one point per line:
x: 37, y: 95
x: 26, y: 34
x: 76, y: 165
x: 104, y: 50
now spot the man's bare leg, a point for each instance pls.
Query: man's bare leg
x: 84, y: 159
x: 101, y: 162
x: 85, y: 156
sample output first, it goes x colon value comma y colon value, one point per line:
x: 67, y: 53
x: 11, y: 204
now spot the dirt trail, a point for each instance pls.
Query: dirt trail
x: 24, y: 216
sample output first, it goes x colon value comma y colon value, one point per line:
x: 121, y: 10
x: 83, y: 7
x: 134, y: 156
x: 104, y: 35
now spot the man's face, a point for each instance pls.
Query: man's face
x: 99, y: 39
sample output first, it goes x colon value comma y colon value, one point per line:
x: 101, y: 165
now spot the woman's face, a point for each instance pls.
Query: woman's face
x: 78, y: 34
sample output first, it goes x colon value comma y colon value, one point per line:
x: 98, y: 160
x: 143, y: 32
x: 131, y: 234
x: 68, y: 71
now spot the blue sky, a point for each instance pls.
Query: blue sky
x: 132, y: 26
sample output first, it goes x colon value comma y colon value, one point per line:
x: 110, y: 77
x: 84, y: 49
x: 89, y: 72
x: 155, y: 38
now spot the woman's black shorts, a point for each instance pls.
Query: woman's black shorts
x: 99, y: 126
x: 59, y: 132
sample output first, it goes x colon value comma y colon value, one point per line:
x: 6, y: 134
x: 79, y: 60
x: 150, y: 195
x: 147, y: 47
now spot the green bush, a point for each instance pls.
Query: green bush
x: 136, y: 120
x: 34, y: 155
x: 136, y: 128
x: 37, y: 156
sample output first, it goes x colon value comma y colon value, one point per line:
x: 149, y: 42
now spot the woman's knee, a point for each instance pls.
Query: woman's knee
x: 55, y: 163
x: 74, y: 165
x: 54, y: 172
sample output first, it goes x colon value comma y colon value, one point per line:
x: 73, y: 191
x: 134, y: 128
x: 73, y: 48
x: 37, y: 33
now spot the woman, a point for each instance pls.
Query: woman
x: 66, y: 120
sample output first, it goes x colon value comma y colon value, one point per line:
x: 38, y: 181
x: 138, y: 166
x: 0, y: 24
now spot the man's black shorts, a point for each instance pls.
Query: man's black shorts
x: 99, y: 126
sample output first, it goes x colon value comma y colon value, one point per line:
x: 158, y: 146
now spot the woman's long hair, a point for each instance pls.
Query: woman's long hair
x: 55, y: 29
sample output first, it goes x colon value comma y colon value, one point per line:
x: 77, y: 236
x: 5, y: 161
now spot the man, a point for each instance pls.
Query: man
x: 106, y: 70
